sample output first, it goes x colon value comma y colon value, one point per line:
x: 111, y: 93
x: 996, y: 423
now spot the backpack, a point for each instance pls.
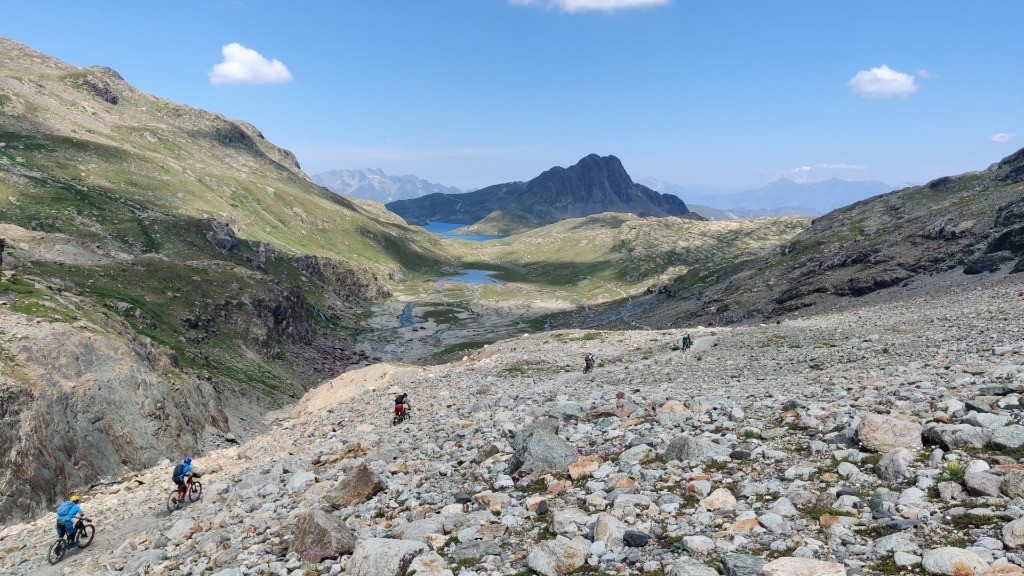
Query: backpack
x: 179, y: 471
x: 64, y: 510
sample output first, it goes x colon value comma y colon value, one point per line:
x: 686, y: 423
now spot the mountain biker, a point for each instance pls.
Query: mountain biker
x: 181, y: 474
x: 588, y: 362
x: 66, y: 514
x: 401, y: 404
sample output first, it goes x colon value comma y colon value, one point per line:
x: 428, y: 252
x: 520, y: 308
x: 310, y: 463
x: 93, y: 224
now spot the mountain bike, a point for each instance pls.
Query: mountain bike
x: 193, y: 491
x: 80, y: 537
x: 400, y: 416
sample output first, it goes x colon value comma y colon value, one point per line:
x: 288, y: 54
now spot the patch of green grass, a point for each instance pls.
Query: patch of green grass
x: 813, y: 513
x: 953, y: 472
x: 965, y: 521
x: 513, y: 370
x: 18, y: 285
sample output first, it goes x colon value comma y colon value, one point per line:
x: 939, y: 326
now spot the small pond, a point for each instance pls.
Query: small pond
x: 474, y: 277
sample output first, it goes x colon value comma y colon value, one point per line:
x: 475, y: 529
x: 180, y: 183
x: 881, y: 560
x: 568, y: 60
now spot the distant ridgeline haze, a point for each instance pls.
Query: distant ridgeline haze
x: 376, y: 185
x: 782, y: 197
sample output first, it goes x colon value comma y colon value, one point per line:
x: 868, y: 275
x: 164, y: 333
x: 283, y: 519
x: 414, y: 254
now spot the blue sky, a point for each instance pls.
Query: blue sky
x: 468, y: 93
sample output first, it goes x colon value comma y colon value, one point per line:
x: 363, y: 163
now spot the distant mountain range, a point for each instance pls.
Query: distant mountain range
x: 376, y: 185
x: 594, y: 185
x: 780, y: 198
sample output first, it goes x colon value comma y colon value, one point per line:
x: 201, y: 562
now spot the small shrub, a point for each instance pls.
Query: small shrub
x: 954, y: 472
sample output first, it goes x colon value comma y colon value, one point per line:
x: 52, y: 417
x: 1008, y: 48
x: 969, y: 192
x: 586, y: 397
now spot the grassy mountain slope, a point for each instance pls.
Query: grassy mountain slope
x: 627, y: 250
x: 87, y: 156
x: 964, y: 225
x: 165, y: 269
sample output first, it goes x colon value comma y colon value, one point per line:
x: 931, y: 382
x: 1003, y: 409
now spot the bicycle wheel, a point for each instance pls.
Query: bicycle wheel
x: 83, y: 536
x: 172, y: 501
x: 57, y: 551
x: 196, y: 491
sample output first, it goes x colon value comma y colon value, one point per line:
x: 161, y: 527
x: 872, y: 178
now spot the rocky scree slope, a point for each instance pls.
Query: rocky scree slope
x: 169, y: 252
x: 971, y: 224
x: 593, y: 185
x: 884, y: 440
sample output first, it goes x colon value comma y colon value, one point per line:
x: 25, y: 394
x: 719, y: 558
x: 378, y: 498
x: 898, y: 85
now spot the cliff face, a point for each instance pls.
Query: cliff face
x: 594, y: 185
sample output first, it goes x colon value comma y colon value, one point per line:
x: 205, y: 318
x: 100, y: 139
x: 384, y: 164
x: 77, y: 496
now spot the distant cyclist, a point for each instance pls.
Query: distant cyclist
x: 181, y: 475
x: 588, y: 362
x: 402, y: 404
x: 66, y: 514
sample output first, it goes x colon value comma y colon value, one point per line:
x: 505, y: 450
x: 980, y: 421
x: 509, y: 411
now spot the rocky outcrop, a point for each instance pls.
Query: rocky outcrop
x: 85, y: 404
x: 539, y: 450
x: 357, y: 487
x: 384, y: 557
x: 318, y: 536
x: 592, y: 186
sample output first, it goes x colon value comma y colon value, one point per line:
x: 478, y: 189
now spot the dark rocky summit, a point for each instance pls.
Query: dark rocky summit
x: 594, y: 185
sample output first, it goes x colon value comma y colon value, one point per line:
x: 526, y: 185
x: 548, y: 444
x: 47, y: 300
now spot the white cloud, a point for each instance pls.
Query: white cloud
x: 592, y: 5
x: 927, y: 74
x: 800, y: 174
x: 843, y: 166
x: 883, y: 82
x: 1002, y: 137
x: 243, y: 65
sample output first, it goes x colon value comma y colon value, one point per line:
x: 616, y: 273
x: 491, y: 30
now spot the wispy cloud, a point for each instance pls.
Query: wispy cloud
x: 243, y: 65
x: 1002, y: 137
x: 843, y: 166
x: 800, y: 174
x: 883, y: 82
x: 927, y: 74
x: 592, y: 5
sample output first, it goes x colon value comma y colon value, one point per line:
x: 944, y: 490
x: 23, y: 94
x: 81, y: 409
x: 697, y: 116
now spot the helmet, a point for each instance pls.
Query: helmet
x: 187, y: 460
x: 74, y: 497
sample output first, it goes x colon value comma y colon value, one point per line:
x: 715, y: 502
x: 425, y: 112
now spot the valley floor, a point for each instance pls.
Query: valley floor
x: 760, y: 442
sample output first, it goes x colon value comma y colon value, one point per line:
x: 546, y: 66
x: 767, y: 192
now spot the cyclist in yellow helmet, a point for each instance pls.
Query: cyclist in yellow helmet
x: 66, y: 514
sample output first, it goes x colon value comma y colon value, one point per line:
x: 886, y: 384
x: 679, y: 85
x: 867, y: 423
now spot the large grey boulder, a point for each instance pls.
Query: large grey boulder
x: 697, y: 450
x: 895, y: 466
x: 539, y: 449
x: 419, y: 529
x: 610, y: 530
x: 141, y: 560
x: 558, y: 556
x: 1013, y: 534
x: 686, y: 566
x: 1008, y: 437
x: 384, y: 557
x: 1013, y: 484
x: 742, y: 564
x: 982, y: 483
x: 357, y: 487
x: 430, y: 564
x: 318, y: 535
x: 949, y: 561
x: 955, y: 436
x: 802, y: 567
x: 882, y: 433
